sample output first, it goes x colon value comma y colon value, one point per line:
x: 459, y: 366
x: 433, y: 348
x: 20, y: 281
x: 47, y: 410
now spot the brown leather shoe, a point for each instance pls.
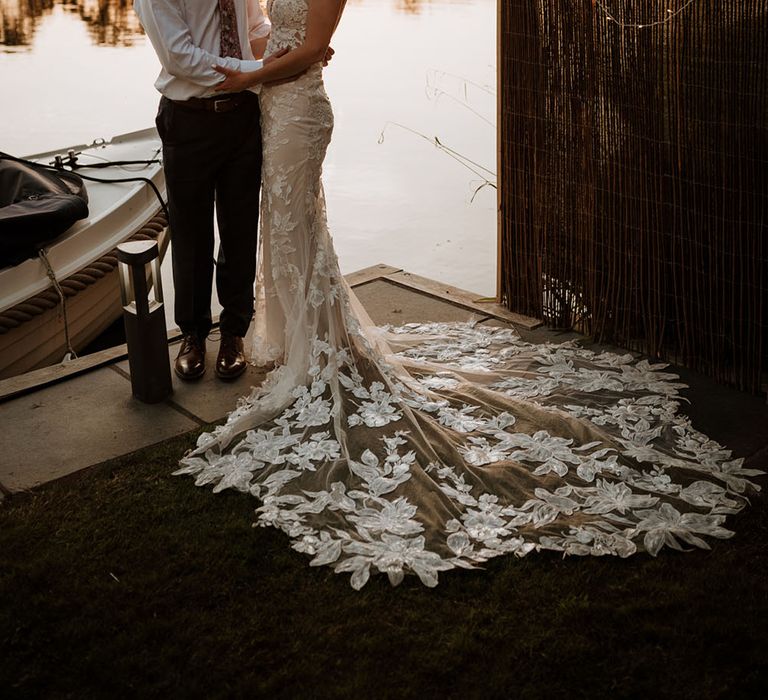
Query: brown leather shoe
x: 190, y: 362
x: 230, y: 362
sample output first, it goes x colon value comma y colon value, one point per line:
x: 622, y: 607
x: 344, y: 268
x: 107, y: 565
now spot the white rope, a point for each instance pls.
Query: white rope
x: 71, y: 354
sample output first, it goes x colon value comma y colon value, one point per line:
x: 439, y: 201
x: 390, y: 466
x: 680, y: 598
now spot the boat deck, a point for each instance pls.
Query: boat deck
x: 60, y: 420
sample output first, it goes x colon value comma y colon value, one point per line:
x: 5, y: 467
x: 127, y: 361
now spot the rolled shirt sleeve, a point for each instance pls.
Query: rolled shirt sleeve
x: 186, y: 37
x: 170, y: 37
x: 258, y: 24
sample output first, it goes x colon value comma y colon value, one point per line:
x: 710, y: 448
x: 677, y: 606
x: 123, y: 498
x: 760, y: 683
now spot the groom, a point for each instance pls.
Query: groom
x: 211, y: 152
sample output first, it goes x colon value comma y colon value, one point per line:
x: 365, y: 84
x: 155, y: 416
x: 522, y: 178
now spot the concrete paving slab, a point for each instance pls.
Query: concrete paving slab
x: 390, y: 303
x: 472, y: 301
x: 209, y: 398
x: 367, y: 274
x: 76, y: 424
x: 734, y: 418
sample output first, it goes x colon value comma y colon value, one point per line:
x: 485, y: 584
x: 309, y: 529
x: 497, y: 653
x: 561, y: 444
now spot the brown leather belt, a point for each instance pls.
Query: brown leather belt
x: 225, y: 103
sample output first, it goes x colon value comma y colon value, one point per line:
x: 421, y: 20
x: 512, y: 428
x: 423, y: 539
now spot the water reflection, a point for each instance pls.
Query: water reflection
x: 109, y: 22
x: 412, y: 7
x: 18, y: 19
x: 402, y: 201
x: 409, y: 7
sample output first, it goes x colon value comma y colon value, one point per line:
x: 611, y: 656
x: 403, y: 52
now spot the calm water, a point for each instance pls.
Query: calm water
x: 74, y: 70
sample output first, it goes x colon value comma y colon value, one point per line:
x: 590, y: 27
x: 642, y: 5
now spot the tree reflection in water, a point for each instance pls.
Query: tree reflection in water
x: 412, y: 7
x: 18, y: 19
x: 109, y: 22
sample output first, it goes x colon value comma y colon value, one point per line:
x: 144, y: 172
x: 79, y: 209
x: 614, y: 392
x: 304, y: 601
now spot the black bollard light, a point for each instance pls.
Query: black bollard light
x: 144, y: 319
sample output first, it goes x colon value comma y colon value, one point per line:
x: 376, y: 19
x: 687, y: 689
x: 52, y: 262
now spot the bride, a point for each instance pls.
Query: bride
x: 434, y: 446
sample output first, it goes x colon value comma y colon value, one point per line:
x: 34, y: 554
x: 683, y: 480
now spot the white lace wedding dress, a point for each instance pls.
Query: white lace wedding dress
x: 434, y: 446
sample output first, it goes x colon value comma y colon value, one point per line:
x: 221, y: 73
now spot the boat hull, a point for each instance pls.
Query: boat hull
x: 40, y: 342
x: 92, y: 303
x: 33, y: 332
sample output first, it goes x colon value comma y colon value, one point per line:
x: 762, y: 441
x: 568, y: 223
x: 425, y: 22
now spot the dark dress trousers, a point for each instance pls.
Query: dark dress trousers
x: 212, y: 157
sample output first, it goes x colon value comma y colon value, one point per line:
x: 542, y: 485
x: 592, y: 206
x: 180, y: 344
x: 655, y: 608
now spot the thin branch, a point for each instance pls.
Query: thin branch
x: 437, y: 94
x: 462, y: 79
x: 466, y: 162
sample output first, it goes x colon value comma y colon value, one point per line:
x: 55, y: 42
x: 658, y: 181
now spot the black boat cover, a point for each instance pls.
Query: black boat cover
x: 36, y: 206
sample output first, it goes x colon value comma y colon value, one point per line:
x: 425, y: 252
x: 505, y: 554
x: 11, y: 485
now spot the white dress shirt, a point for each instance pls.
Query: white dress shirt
x: 186, y: 37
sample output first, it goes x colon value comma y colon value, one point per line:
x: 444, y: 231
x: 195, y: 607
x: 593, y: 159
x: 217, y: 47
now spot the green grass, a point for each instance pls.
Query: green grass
x: 126, y: 581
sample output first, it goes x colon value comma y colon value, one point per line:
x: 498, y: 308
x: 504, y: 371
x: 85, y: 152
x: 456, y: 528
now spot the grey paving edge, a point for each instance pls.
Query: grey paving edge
x: 168, y: 402
x: 184, y: 412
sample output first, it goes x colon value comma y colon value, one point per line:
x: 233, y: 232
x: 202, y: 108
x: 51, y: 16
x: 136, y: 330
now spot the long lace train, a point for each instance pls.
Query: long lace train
x: 434, y: 446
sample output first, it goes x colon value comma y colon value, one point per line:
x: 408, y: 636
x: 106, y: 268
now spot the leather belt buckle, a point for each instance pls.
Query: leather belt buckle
x: 220, y: 105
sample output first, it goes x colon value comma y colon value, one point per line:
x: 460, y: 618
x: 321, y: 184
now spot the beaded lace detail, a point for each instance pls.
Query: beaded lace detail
x: 429, y: 447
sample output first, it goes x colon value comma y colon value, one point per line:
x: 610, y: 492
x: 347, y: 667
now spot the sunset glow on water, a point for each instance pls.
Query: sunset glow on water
x: 79, y: 70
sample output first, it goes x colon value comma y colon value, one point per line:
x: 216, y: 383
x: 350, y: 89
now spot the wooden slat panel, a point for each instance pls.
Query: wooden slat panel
x: 633, y: 176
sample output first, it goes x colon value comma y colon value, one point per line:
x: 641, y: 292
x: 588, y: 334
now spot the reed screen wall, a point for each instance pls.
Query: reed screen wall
x: 633, y: 173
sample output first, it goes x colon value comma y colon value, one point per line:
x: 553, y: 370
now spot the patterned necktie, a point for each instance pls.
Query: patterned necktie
x: 230, y: 41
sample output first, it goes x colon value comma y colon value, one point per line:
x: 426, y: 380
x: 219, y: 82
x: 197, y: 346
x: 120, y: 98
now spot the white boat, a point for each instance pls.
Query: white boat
x: 33, y: 332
